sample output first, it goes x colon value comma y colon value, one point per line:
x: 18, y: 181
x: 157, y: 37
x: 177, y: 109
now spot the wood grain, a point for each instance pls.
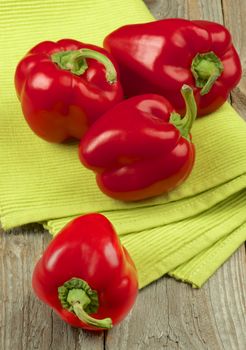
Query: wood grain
x: 234, y: 18
x: 190, y: 9
x: 25, y: 322
x: 171, y: 315
x: 167, y: 314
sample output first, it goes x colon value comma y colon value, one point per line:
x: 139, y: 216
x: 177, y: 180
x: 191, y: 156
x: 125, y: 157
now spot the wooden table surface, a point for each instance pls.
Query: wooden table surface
x: 168, y: 314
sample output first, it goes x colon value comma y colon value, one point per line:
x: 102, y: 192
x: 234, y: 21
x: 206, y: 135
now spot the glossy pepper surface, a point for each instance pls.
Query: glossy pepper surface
x: 65, y: 86
x: 159, y: 57
x: 141, y: 148
x: 86, y: 275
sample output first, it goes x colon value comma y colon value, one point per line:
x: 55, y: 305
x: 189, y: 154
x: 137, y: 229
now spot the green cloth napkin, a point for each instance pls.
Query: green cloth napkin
x: 188, y: 233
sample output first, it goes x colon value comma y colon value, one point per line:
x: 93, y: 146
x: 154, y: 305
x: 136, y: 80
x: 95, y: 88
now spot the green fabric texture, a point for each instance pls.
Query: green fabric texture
x: 187, y: 233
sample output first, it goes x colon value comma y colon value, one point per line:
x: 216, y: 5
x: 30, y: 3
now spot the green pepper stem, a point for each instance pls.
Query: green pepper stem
x: 184, y: 124
x: 75, y: 61
x: 78, y: 299
x: 206, y: 69
x: 77, y: 296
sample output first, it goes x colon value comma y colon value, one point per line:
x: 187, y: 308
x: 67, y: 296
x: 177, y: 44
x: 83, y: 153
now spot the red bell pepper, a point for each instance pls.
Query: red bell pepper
x: 86, y: 275
x: 65, y: 86
x: 141, y: 147
x: 159, y: 57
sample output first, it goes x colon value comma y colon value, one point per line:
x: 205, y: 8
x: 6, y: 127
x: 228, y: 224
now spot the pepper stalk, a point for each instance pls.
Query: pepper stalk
x: 206, y: 69
x: 75, y: 61
x: 76, y: 296
x: 184, y: 124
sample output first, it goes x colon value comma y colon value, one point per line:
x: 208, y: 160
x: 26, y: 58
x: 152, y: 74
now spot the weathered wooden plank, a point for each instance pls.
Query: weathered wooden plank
x: 234, y: 15
x: 25, y: 322
x: 171, y: 315
x: 168, y: 314
x: 19, y: 324
x: 205, y: 9
x: 192, y: 9
x: 167, y: 8
x: 227, y: 294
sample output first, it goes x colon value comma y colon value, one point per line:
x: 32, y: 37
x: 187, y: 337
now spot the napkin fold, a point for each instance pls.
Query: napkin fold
x: 187, y: 233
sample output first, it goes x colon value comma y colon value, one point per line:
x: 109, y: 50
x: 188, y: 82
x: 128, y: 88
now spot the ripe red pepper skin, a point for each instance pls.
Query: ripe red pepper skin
x: 137, y: 150
x: 58, y: 103
x: 89, y: 249
x: 159, y: 57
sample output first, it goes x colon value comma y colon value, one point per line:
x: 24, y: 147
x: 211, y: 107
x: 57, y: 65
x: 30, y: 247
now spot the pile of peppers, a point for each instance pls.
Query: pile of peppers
x: 131, y: 105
